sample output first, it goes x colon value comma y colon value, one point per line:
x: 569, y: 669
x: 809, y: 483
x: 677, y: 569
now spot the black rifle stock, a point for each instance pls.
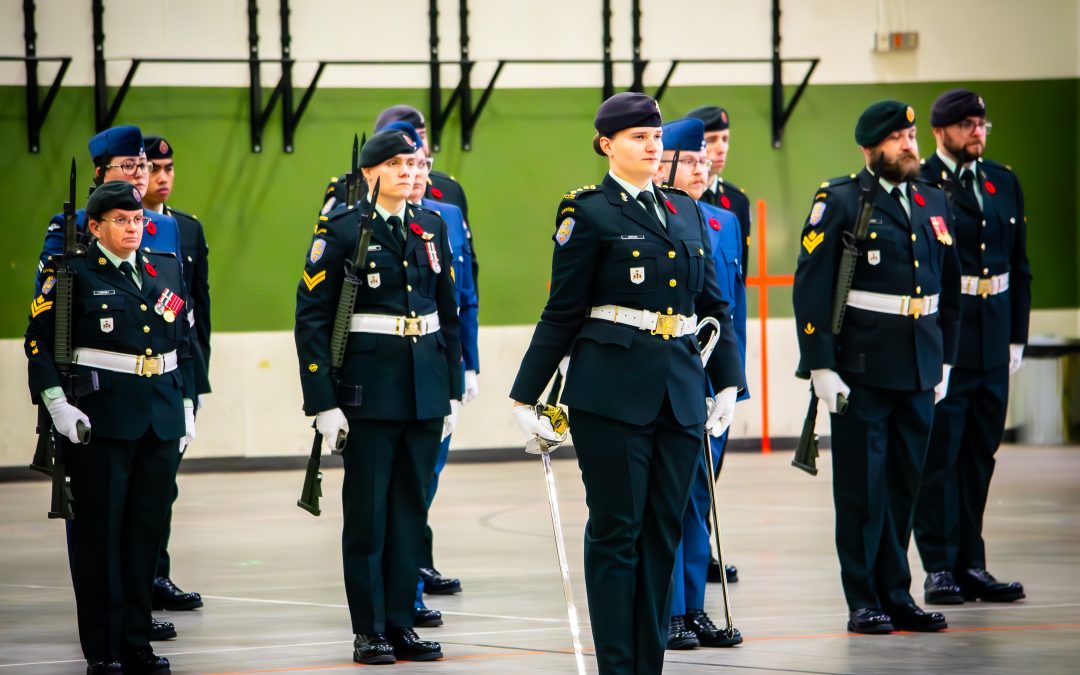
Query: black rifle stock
x: 845, y: 273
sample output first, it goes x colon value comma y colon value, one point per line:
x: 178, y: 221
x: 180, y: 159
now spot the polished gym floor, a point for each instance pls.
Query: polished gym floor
x: 270, y: 575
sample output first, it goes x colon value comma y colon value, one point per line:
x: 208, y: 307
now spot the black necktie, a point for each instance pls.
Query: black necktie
x: 967, y: 182
x: 649, y: 202
x: 128, y: 271
x: 395, y: 226
x: 899, y: 197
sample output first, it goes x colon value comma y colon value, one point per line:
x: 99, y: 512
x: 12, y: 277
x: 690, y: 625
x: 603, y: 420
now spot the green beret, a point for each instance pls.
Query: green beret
x: 714, y: 117
x: 116, y: 194
x: 881, y: 119
x: 384, y: 145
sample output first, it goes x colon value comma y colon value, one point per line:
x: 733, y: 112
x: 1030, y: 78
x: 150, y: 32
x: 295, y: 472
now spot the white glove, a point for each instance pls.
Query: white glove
x: 828, y: 385
x: 534, y: 426
x: 472, y: 387
x: 330, y: 423
x: 449, y: 422
x: 189, y: 425
x: 66, y: 417
x: 942, y: 387
x: 200, y: 401
x: 720, y: 411
x: 1016, y: 358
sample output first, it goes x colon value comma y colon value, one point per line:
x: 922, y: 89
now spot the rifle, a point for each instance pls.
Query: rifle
x: 674, y: 168
x: 352, y: 178
x: 312, y: 490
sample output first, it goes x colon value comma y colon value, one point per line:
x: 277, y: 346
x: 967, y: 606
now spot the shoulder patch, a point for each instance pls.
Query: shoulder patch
x: 566, y: 228
x: 47, y: 285
x: 817, y: 212
x: 318, y: 247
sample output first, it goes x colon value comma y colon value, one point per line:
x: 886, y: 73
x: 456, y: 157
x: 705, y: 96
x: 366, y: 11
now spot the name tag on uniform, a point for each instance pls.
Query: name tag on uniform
x: 631, y: 236
x: 110, y: 292
x: 374, y: 247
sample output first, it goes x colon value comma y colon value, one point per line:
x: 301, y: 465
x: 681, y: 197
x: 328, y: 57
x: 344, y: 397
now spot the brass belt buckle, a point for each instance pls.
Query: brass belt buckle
x: 412, y: 327
x: 666, y: 325
x: 140, y: 363
x: 985, y: 287
x: 153, y: 365
x: 915, y: 307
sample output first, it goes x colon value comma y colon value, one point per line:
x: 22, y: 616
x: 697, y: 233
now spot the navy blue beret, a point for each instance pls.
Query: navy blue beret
x: 407, y: 128
x: 714, y: 117
x: 125, y: 141
x: 881, y: 119
x: 157, y: 148
x: 384, y: 145
x: 685, y: 134
x: 956, y: 105
x: 116, y: 194
x: 626, y: 110
x: 400, y: 113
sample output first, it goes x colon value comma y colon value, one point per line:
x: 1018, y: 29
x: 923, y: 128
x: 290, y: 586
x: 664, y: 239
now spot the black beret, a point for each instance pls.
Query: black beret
x: 116, y: 194
x: 714, y: 117
x: 956, y: 105
x: 123, y: 141
x: 400, y: 113
x: 624, y: 111
x: 384, y: 145
x: 881, y: 119
x: 157, y: 148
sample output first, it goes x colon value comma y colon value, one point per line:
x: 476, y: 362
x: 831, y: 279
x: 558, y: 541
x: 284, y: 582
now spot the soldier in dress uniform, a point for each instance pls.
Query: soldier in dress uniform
x: 193, y: 248
x: 402, y: 368
x: 630, y: 278
x: 890, y: 358
x: 690, y: 625
x: 132, y: 384
x: 990, y: 229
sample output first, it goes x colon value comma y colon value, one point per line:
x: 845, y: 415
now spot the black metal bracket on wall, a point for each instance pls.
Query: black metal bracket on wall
x: 37, y: 110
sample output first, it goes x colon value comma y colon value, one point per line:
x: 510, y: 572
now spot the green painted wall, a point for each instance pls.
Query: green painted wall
x: 530, y: 147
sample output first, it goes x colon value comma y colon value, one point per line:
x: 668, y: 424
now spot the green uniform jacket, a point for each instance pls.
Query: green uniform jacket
x: 608, y: 251
x: 111, y: 314
x: 384, y: 377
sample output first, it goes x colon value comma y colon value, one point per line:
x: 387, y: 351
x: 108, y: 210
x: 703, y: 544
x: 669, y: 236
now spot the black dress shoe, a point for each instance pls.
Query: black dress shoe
x: 713, y: 575
x: 409, y: 647
x: 102, y: 667
x: 425, y: 617
x: 869, y: 621
x: 941, y: 589
x: 437, y: 584
x: 707, y: 633
x: 978, y: 584
x: 170, y: 598
x: 161, y: 630
x: 911, y: 617
x: 144, y: 661
x: 372, y: 649
x: 679, y: 636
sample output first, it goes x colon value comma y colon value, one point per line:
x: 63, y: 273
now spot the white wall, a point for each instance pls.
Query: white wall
x: 1009, y: 40
x: 256, y: 406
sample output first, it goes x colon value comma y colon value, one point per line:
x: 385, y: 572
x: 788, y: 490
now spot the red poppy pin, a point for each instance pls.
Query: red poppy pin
x: 151, y: 228
x: 919, y: 199
x: 416, y: 229
x: 670, y: 206
x: 436, y: 192
x: 725, y: 202
x: 714, y: 223
x: 990, y: 188
x: 150, y: 270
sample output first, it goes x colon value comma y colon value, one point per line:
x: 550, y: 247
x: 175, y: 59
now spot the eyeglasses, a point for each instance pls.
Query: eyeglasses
x: 122, y: 221
x: 690, y: 163
x: 130, y: 168
x: 967, y: 126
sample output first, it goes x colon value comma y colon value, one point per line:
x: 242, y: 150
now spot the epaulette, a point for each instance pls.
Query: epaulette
x: 996, y: 165
x: 672, y: 189
x: 424, y: 209
x: 730, y: 185
x: 182, y: 213
x: 840, y: 180
x: 320, y: 224
x: 584, y: 189
x: 154, y: 251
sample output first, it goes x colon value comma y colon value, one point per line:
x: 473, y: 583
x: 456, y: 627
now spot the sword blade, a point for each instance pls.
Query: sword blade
x: 564, y: 568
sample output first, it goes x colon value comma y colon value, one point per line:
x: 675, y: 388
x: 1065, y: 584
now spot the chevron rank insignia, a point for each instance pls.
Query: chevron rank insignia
x: 809, y: 329
x: 311, y: 281
x: 39, y: 305
x: 811, y: 240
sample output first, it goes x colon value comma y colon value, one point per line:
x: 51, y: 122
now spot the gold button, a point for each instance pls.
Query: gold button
x: 670, y: 310
x: 149, y: 351
x: 412, y: 313
x: 918, y: 289
x: 916, y: 263
x: 913, y: 237
x: 405, y: 264
x: 104, y: 306
x: 142, y: 307
x: 372, y: 265
x: 1012, y: 221
x: 873, y: 235
x: 671, y: 254
x: 635, y: 253
x: 701, y: 251
x: 984, y: 223
x: 409, y: 288
x: 986, y: 271
x: 982, y: 247
x: 146, y: 329
x: 673, y: 283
